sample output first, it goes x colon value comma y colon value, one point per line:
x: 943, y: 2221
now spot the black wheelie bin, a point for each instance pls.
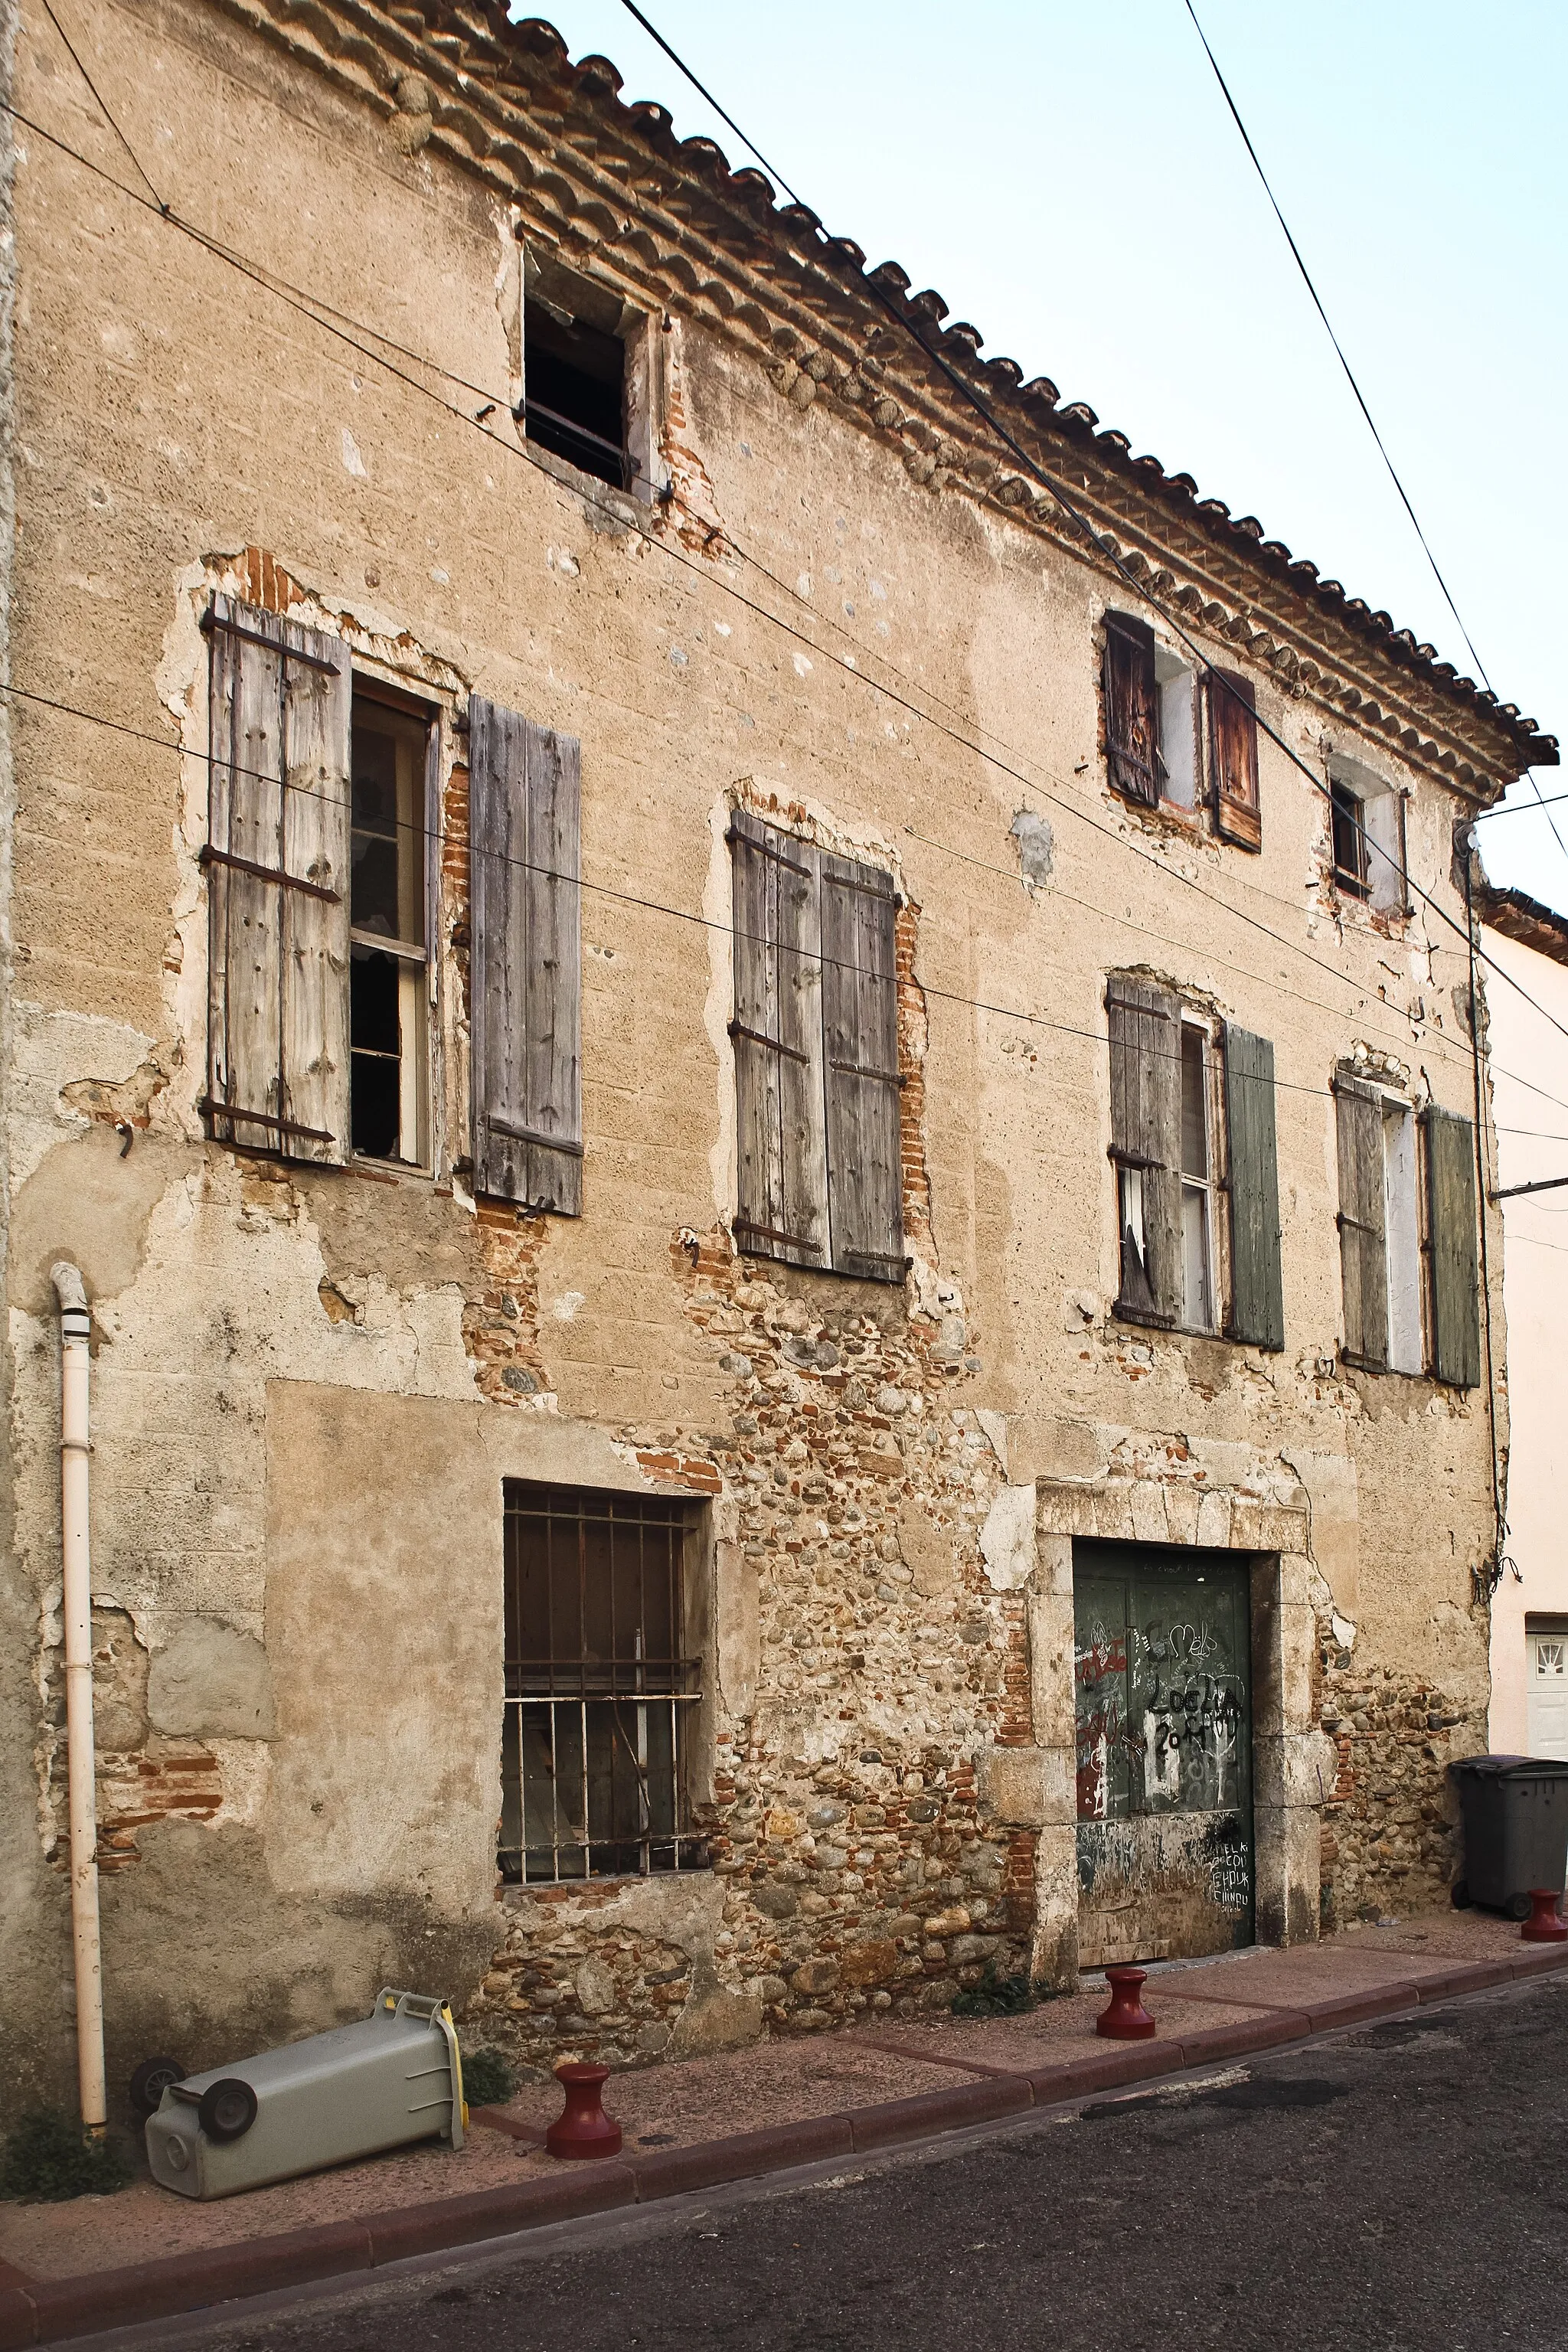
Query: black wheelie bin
x: 1514, y: 1812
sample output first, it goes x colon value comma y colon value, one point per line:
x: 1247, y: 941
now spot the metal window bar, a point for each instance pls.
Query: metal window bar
x: 598, y: 1697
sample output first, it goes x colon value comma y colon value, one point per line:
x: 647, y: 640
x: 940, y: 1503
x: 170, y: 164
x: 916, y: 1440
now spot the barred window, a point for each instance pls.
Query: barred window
x: 600, y: 1690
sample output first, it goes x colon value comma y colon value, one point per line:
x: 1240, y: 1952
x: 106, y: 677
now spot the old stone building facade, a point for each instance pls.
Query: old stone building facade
x: 640, y: 981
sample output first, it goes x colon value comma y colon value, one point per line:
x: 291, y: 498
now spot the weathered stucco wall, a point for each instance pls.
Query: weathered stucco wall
x: 309, y: 1384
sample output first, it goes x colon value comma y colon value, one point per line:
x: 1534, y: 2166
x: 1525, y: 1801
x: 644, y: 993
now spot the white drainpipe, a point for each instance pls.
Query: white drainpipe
x: 76, y: 1445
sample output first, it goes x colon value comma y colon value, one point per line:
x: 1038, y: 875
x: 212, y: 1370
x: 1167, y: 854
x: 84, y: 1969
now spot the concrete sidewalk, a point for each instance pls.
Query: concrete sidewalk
x: 69, y: 2270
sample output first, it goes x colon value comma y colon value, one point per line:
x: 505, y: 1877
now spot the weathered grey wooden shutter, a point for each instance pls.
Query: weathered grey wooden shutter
x: 1258, y: 1293
x: 277, y: 861
x: 1363, y: 1247
x: 1451, y: 1146
x: 777, y: 1031
x: 1132, y: 709
x: 1146, y: 1136
x: 1233, y: 755
x: 523, y: 826
x: 860, y: 1046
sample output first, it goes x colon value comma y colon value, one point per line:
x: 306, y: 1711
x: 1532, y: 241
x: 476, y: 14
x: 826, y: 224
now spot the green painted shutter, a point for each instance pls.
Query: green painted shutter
x: 1257, y: 1293
x: 1451, y: 1219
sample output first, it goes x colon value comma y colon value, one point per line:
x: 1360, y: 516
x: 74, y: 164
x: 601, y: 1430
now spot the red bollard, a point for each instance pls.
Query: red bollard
x: 1544, y: 1925
x: 1126, y: 2020
x: 582, y: 2129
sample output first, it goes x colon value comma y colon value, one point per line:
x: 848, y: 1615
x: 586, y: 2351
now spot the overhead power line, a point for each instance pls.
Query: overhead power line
x: 1070, y: 508
x: 347, y: 331
x: 1351, y: 379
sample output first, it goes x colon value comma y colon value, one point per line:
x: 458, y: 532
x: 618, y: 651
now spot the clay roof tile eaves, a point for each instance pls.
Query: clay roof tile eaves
x: 927, y: 310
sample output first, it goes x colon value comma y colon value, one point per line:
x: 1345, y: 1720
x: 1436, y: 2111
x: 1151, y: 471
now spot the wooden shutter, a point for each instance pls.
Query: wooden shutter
x: 1146, y: 1134
x: 777, y: 1031
x: 523, y: 823
x: 1258, y: 1294
x: 1363, y: 1248
x: 1232, y: 757
x: 1450, y: 1147
x: 860, y: 1047
x: 276, y: 862
x: 1132, y: 709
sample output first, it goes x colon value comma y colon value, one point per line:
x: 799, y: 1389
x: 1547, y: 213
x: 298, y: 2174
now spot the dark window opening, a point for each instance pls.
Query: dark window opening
x: 1347, y: 822
x: 387, y: 955
x: 574, y: 380
x: 599, y: 1691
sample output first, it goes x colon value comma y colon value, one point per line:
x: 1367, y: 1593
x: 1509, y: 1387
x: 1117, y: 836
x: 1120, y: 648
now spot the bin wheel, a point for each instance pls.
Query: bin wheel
x: 1459, y: 1895
x: 227, y: 2109
x: 150, y: 2082
x: 1519, y: 1906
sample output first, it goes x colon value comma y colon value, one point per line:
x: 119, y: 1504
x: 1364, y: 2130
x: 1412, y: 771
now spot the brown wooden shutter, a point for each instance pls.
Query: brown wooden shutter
x: 1146, y: 1134
x: 1450, y: 1148
x: 276, y: 862
x: 777, y: 1030
x: 523, y: 821
x: 860, y: 1046
x: 1232, y: 757
x: 1364, y: 1249
x: 1132, y: 709
x: 1258, y: 1296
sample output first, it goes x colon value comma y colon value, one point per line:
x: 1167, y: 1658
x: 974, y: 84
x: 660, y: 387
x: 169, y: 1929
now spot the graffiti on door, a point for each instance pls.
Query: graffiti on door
x: 1164, y: 1724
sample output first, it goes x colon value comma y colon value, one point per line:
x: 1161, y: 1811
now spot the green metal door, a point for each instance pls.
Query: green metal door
x: 1164, y: 1701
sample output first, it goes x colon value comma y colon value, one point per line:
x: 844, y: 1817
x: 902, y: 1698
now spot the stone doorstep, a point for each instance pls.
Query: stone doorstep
x: 34, y: 2312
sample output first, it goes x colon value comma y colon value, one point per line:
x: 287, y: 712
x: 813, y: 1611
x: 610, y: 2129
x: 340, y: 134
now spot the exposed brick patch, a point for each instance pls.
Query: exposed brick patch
x: 168, y: 1780
x: 692, y: 1471
x: 500, y: 1327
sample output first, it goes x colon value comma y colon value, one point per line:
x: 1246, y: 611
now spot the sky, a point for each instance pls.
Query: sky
x: 1069, y: 179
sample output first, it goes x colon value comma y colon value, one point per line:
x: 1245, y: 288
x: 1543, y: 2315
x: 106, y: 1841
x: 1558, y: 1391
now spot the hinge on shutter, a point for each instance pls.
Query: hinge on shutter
x: 766, y: 849
x: 855, y: 1070
x: 207, y: 855
x: 515, y: 1134
x: 773, y: 1044
x: 772, y: 1234
x: 211, y: 621
x: 212, y: 1108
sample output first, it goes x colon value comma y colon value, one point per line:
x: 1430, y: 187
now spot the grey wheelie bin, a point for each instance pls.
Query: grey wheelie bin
x: 1514, y: 1809
x: 392, y: 2077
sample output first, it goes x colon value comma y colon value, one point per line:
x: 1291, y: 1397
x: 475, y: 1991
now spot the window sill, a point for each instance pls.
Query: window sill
x: 615, y: 510
x: 519, y: 1890
x: 388, y: 1172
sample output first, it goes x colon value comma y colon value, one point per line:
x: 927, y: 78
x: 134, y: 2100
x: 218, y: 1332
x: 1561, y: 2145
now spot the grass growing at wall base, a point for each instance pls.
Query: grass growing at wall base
x: 490, y: 2080
x: 48, y: 2158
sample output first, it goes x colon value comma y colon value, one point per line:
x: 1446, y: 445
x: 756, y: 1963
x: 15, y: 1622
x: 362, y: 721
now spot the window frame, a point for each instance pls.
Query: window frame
x: 1212, y: 1185
x: 599, y: 1689
x: 367, y: 687
x: 1375, y: 806
x: 547, y: 282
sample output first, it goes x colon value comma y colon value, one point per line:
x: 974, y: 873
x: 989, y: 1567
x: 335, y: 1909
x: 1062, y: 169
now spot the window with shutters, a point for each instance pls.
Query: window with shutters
x: 1366, y: 837
x: 1161, y: 725
x: 1233, y: 757
x: 389, y: 963
x: 1408, y: 1238
x: 319, y: 971
x: 1194, y: 1153
x: 816, y: 1056
x: 603, y: 1685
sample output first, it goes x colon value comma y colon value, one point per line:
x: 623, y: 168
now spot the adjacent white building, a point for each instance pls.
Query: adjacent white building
x: 1530, y: 1080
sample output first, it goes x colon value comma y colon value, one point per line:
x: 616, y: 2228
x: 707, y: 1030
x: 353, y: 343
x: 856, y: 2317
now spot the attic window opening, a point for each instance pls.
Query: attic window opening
x: 1348, y: 840
x: 575, y: 398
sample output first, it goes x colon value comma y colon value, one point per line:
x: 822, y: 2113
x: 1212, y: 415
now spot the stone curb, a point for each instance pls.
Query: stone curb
x: 52, y: 2311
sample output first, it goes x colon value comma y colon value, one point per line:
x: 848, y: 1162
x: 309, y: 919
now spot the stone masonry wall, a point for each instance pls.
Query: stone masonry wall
x: 1389, y: 1835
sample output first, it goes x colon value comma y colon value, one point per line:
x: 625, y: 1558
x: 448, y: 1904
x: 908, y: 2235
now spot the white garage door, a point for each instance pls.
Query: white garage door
x: 1547, y: 1663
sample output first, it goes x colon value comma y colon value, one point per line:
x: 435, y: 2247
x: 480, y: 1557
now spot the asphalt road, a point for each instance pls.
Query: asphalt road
x: 1404, y: 2184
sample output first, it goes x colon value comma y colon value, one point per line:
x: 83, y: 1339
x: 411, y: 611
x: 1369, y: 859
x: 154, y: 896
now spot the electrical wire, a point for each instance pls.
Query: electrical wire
x: 307, y: 307
x: 1070, y: 510
x: 1351, y: 379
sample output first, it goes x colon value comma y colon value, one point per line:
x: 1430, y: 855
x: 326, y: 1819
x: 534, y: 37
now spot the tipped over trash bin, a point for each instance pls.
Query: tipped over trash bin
x: 1514, y: 1810
x: 390, y: 2078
